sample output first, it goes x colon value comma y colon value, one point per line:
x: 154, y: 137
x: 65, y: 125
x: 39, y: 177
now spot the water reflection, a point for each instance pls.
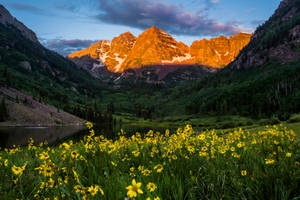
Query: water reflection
x: 19, y: 136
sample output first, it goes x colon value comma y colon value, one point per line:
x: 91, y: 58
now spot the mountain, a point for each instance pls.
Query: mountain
x: 262, y: 82
x: 111, y: 53
x: 32, y: 69
x: 164, y: 74
x: 25, y: 110
x: 95, y: 67
x: 277, y: 39
x: 120, y: 48
x: 155, y: 47
x: 218, y: 52
x: 8, y: 20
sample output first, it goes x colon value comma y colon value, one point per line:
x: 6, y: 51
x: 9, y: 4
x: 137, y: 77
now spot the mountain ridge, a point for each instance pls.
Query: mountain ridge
x: 156, y: 47
x: 27, y: 66
x: 277, y: 39
x: 7, y: 19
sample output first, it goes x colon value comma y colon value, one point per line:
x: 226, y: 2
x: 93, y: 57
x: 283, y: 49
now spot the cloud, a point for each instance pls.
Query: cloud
x: 170, y: 17
x: 214, y: 1
x: 27, y: 8
x: 257, y: 22
x: 207, y: 2
x: 68, y: 7
x: 65, y: 47
x: 250, y: 10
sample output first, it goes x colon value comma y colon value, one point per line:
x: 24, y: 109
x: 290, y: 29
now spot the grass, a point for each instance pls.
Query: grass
x: 241, y: 164
x: 204, y: 122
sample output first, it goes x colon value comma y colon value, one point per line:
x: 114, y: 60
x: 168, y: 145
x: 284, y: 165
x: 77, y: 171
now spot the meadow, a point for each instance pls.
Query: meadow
x: 237, y: 164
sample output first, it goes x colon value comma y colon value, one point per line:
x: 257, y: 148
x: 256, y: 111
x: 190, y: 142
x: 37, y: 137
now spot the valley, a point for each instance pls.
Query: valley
x: 198, y: 100
x: 89, y: 87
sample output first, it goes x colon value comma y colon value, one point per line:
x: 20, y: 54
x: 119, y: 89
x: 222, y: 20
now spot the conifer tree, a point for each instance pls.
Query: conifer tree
x: 3, y: 111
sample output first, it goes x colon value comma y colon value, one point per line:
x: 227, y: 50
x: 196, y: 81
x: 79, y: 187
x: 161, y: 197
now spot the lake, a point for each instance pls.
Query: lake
x: 19, y: 136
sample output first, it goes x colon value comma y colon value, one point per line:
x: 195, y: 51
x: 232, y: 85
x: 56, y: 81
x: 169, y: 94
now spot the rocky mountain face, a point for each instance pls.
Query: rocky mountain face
x: 164, y: 74
x: 278, y: 39
x: 112, y: 53
x: 95, y: 67
x: 8, y: 20
x: 218, y: 52
x: 24, y: 110
x: 157, y: 47
x: 29, y: 67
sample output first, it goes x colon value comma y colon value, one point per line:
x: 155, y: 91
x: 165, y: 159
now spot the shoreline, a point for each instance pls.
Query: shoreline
x: 9, y: 125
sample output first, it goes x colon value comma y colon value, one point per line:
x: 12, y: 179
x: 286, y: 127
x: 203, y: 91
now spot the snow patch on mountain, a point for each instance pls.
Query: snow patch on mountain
x: 97, y: 65
x: 173, y: 46
x: 217, y: 53
x: 178, y: 58
x: 103, y: 57
x: 120, y: 62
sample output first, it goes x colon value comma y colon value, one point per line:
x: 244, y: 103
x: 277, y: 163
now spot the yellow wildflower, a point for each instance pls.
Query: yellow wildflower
x: 44, y: 156
x: 244, y: 172
x: 146, y: 172
x: 5, y: 162
x: 159, y: 168
x: 67, y: 146
x: 240, y: 144
x: 174, y: 157
x: 47, y: 170
x: 79, y: 189
x: 16, y: 180
x: 74, y: 154
x: 136, y: 153
x: 151, y: 186
x: 269, y: 161
x: 134, y: 189
x: 89, y: 125
x: 93, y: 190
x: 75, y: 175
x: 51, y: 183
x: 18, y: 170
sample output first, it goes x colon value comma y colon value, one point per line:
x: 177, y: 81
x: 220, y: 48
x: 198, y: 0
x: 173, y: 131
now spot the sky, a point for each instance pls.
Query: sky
x: 66, y: 26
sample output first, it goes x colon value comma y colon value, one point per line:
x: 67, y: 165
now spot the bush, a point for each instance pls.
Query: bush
x: 294, y: 120
x: 284, y: 116
x: 228, y: 125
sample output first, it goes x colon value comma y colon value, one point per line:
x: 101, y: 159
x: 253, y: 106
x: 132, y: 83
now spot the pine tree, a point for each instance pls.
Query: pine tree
x: 3, y: 111
x: 5, y: 72
x: 7, y: 78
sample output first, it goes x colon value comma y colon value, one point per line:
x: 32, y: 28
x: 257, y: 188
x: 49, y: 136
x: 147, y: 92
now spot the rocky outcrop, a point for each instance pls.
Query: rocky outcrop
x: 164, y: 74
x: 157, y: 47
x: 111, y: 53
x: 8, y: 20
x: 95, y: 67
x: 278, y: 39
x: 218, y: 52
x: 120, y: 48
x: 25, y: 110
x: 25, y: 64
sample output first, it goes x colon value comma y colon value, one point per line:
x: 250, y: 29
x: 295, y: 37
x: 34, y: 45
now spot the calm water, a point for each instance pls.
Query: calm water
x: 19, y: 136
